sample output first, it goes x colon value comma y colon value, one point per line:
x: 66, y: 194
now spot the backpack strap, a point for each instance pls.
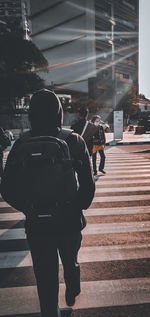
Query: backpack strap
x: 86, y: 124
x: 64, y: 133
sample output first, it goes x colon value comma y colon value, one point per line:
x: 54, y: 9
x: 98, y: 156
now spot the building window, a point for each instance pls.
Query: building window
x: 126, y: 76
x: 145, y: 107
x: 132, y: 7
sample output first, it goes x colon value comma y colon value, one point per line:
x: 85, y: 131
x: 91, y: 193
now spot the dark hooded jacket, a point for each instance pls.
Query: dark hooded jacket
x: 46, y: 116
x: 78, y: 126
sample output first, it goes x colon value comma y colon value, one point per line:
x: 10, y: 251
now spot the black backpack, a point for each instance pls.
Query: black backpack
x: 39, y: 176
x: 87, y: 134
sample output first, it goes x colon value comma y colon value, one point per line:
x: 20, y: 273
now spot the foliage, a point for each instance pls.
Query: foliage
x: 17, y: 84
x: 19, y: 59
x: 128, y: 103
x: 92, y: 104
x: 142, y: 96
x: 19, y: 54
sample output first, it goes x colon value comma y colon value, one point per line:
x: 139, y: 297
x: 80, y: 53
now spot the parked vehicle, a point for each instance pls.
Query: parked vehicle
x: 145, y: 122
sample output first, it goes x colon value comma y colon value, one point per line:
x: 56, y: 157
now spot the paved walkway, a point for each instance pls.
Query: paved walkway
x: 115, y: 271
x: 129, y: 137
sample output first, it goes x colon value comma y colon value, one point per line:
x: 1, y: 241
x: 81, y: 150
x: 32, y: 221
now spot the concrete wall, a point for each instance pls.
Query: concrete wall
x: 22, y: 122
x: 14, y: 121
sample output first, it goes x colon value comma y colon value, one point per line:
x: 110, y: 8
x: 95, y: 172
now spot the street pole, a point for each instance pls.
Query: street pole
x: 112, y: 20
x: 112, y: 40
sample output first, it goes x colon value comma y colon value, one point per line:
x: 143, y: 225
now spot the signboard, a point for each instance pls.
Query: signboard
x: 118, y: 125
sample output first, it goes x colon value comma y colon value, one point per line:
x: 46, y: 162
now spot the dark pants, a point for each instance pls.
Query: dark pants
x: 44, y: 253
x: 102, y: 160
x: 1, y: 163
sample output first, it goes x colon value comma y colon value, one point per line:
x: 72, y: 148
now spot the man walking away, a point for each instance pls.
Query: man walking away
x: 79, y: 125
x: 85, y: 128
x: 55, y: 228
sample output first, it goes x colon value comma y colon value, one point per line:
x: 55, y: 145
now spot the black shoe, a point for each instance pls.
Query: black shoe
x: 102, y: 171
x: 66, y: 312
x: 71, y: 297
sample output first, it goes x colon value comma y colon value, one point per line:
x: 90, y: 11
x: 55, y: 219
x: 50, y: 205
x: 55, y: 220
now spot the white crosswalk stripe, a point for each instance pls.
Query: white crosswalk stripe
x: 121, y: 198
x: 86, y: 254
x: 15, y: 234
x: 117, y: 211
x: 122, y: 189
x: 94, y: 294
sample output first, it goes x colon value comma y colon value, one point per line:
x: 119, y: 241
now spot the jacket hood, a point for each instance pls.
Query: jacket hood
x: 45, y: 112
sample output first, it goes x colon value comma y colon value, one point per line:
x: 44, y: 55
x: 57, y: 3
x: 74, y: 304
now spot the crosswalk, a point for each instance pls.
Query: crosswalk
x: 115, y: 252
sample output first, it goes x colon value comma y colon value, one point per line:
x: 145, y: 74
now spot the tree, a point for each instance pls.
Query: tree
x: 19, y: 59
x: 128, y: 103
x: 94, y: 105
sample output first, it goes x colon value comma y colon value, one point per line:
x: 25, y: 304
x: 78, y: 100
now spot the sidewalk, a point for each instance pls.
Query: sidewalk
x: 128, y: 138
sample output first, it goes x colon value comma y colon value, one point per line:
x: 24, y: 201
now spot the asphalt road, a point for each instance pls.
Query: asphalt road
x: 115, y: 266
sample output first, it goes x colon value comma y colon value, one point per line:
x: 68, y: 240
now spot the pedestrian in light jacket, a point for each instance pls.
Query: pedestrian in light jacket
x: 99, y: 141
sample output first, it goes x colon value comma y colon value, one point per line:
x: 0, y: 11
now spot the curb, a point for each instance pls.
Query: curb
x: 112, y: 143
